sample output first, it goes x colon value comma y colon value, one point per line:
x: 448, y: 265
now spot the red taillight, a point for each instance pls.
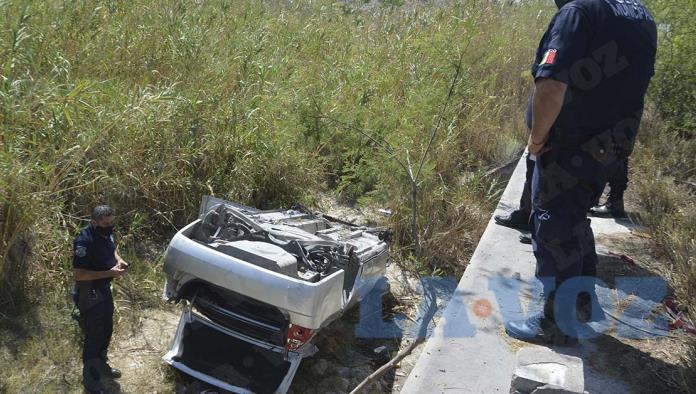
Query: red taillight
x: 297, y: 336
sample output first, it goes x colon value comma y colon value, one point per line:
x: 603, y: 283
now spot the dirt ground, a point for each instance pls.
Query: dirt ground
x: 137, y: 352
x: 647, y: 365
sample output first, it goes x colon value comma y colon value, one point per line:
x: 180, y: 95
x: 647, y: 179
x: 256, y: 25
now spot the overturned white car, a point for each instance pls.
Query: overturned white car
x: 258, y: 285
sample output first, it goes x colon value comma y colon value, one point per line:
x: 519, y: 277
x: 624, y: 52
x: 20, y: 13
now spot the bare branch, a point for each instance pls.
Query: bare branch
x: 375, y: 376
x: 435, y: 129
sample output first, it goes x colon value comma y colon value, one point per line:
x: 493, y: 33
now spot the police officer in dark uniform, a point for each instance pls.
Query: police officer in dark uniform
x: 95, y: 264
x: 613, y: 207
x: 591, y: 73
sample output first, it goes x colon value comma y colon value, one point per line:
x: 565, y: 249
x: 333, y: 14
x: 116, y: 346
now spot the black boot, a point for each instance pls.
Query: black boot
x: 110, y: 372
x: 612, y: 208
x: 540, y: 327
x: 516, y: 219
x: 526, y: 239
x: 91, y: 379
x: 589, y: 309
x: 536, y: 328
x: 114, y: 373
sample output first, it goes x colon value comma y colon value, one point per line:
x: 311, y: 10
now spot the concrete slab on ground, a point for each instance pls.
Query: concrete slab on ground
x: 543, y: 370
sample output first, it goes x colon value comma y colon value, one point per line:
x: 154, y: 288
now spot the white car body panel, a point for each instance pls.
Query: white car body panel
x: 310, y: 294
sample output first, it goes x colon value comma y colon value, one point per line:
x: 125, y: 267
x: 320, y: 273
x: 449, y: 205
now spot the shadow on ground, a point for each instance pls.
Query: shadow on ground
x: 640, y: 355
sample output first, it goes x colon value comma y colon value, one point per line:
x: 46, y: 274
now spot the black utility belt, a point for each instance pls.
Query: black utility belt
x: 89, y: 295
x: 90, y: 287
x: 606, y: 147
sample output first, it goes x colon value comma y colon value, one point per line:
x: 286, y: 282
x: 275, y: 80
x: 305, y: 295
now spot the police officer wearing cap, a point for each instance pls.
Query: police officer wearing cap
x: 95, y: 263
x: 591, y: 73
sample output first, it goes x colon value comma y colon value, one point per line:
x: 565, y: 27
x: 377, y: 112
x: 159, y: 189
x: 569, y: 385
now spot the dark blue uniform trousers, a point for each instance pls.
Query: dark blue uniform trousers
x: 526, y: 199
x: 618, y: 179
x: 97, y: 326
x: 565, y: 184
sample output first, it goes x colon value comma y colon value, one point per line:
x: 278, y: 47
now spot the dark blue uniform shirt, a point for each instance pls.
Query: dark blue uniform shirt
x: 604, y: 50
x: 94, y: 252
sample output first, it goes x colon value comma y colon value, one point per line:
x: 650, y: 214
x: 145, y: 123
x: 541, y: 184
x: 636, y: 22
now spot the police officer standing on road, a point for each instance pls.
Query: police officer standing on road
x: 591, y: 73
x: 95, y: 264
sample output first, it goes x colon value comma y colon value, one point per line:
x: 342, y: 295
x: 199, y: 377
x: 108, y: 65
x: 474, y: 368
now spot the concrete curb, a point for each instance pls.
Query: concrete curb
x: 469, y: 351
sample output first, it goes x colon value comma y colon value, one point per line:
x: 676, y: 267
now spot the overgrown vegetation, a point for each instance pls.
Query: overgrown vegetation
x: 665, y: 164
x: 147, y: 105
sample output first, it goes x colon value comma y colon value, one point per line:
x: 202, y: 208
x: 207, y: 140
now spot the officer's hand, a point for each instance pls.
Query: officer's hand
x: 536, y: 149
x: 117, y: 271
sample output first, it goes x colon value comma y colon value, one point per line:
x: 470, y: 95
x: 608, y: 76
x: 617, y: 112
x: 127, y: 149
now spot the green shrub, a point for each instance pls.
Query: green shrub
x: 664, y: 167
x: 674, y: 86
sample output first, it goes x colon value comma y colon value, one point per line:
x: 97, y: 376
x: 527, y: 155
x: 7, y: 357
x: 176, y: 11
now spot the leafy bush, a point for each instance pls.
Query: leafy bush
x: 674, y: 88
x: 665, y: 163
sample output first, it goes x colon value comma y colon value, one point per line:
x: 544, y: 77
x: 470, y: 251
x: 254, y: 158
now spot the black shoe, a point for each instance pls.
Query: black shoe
x: 114, y: 373
x: 539, y: 329
x: 589, y: 309
x: 526, y: 239
x: 530, y: 329
x: 110, y: 372
x: 612, y: 208
x: 517, y: 220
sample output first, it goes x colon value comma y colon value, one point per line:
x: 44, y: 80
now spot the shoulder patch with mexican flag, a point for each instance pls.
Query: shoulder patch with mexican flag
x: 549, y: 57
